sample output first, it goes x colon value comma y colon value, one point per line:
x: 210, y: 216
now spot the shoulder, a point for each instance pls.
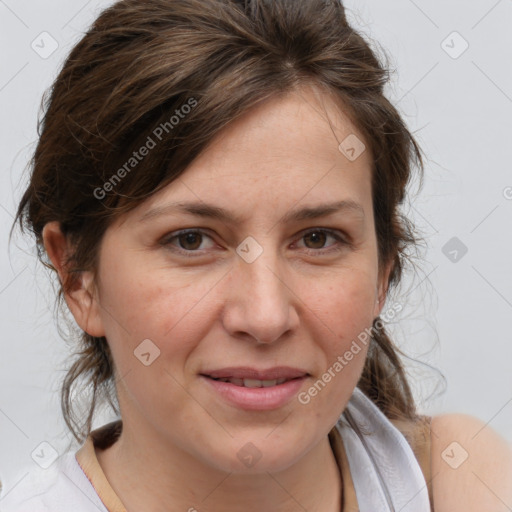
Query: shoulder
x: 471, y: 465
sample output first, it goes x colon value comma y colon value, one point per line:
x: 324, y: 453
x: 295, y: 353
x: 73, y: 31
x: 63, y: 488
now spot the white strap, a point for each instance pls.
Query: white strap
x: 384, y: 469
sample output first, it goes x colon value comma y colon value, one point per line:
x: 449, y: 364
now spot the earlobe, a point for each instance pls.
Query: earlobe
x: 80, y: 292
x: 83, y: 302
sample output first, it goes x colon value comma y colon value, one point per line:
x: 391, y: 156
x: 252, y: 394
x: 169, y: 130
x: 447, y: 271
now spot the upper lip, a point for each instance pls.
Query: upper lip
x: 246, y: 372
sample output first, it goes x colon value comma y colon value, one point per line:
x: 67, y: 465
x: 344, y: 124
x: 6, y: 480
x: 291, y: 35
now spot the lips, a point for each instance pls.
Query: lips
x: 253, y: 389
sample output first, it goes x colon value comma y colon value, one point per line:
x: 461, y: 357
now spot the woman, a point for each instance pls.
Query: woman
x: 217, y: 186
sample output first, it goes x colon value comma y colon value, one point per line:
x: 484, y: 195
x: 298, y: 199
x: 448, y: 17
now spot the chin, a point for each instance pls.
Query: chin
x: 254, y: 455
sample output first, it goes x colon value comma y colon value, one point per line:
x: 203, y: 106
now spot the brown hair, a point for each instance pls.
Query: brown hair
x: 135, y: 70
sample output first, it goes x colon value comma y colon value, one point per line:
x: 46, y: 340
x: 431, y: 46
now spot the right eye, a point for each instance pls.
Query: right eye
x: 186, y: 242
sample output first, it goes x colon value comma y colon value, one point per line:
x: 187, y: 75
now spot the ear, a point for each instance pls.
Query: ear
x: 381, y: 290
x: 81, y: 298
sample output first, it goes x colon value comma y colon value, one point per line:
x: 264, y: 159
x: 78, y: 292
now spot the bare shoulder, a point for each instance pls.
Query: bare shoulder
x: 471, y: 466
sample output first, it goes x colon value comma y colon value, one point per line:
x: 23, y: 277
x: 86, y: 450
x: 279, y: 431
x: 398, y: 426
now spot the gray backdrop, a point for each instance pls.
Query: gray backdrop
x: 452, y: 81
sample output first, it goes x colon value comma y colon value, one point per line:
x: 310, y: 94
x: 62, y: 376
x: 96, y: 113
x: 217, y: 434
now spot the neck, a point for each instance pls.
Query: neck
x: 147, y: 477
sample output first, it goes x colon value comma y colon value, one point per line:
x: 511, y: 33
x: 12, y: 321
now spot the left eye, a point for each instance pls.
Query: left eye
x: 318, y: 238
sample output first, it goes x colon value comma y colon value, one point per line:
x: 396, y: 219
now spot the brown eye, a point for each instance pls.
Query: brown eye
x: 315, y: 241
x: 190, y: 241
x: 317, y: 238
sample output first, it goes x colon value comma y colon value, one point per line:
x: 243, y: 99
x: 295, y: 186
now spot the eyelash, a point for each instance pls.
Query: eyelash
x: 167, y: 242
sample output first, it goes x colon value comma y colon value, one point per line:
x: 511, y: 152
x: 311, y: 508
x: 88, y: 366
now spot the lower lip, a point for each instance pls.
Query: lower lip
x: 257, y: 399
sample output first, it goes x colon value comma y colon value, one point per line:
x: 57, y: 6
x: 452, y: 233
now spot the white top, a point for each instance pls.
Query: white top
x: 63, y: 487
x: 384, y: 470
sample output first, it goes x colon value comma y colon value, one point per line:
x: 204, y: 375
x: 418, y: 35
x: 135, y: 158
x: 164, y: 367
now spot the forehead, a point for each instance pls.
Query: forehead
x: 304, y: 127
x: 280, y: 153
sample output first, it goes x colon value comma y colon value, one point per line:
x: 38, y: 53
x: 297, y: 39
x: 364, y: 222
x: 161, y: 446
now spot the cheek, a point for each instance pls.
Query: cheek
x: 346, y: 305
x: 169, y: 310
x: 139, y: 303
x: 342, y: 316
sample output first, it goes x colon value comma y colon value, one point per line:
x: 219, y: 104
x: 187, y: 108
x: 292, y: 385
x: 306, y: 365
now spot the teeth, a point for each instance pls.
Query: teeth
x: 254, y: 383
x: 237, y: 382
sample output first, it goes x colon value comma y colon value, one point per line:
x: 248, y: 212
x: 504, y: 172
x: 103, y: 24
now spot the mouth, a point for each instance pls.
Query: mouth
x: 253, y: 389
x: 253, y: 383
x: 253, y: 378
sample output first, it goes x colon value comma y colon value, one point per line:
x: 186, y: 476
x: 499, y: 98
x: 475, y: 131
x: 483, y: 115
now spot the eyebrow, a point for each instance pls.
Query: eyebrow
x: 215, y: 212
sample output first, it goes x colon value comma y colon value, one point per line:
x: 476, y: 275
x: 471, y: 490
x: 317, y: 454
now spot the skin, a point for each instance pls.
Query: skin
x: 301, y: 303
x: 484, y: 480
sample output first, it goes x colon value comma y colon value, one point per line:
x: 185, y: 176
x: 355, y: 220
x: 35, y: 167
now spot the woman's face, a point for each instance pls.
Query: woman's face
x: 263, y: 282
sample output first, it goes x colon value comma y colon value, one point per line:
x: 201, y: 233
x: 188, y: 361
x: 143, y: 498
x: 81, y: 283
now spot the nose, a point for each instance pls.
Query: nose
x: 260, y: 303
